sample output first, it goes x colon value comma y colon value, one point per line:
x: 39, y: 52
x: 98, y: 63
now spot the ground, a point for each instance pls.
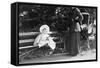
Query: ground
x: 86, y: 55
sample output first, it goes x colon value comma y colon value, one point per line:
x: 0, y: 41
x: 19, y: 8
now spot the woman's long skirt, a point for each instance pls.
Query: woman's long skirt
x: 74, y: 43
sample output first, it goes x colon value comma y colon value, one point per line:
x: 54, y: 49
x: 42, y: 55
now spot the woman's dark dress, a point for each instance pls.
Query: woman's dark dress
x: 72, y: 40
x: 74, y: 43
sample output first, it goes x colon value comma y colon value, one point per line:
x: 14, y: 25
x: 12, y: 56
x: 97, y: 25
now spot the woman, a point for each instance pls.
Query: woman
x: 74, y: 31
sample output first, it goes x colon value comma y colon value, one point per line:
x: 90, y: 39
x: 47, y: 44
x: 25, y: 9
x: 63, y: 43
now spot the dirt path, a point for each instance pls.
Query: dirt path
x: 87, y: 55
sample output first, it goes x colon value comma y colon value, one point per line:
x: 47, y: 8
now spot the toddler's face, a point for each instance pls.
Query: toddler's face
x: 44, y: 31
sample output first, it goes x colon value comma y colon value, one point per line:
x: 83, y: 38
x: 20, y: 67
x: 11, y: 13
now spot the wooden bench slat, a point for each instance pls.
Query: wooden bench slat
x: 26, y: 41
x: 30, y: 46
x: 31, y: 33
x: 30, y: 40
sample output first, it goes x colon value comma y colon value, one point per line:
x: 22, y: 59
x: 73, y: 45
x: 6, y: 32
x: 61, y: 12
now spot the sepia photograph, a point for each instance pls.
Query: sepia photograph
x: 56, y: 33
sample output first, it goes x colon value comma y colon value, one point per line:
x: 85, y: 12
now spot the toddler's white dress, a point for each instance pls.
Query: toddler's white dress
x: 44, y: 39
